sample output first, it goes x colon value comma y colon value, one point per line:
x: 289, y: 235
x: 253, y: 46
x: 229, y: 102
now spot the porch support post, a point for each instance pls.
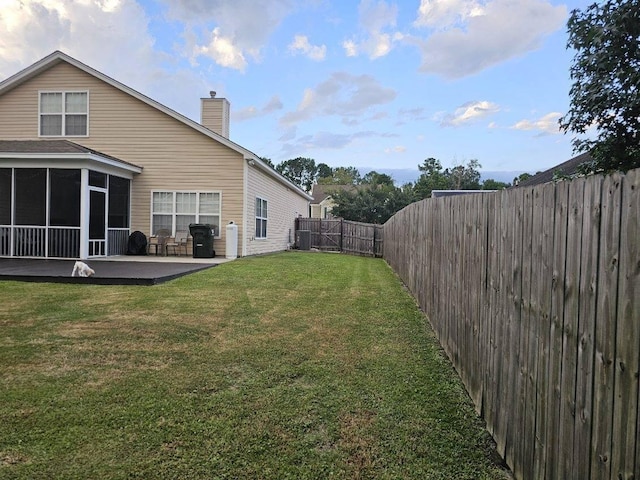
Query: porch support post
x: 84, y: 214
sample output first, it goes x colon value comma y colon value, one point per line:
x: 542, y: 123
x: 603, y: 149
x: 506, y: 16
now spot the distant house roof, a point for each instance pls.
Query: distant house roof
x: 451, y: 193
x: 59, y: 149
x: 322, y: 192
x: 568, y: 168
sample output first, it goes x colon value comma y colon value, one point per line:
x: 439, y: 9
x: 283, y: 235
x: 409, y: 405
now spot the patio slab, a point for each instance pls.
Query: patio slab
x: 115, y: 271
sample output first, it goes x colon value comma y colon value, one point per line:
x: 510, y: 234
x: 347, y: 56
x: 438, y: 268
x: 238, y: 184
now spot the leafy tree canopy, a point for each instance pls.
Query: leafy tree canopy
x: 301, y: 171
x: 341, y: 176
x: 433, y: 177
x: 491, y: 184
x: 324, y: 170
x: 465, y: 177
x: 605, y: 93
x: 371, y: 203
x: 375, y: 178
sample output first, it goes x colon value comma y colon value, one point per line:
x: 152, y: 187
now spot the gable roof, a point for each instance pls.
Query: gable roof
x: 58, y: 57
x: 568, y: 168
x: 59, y: 149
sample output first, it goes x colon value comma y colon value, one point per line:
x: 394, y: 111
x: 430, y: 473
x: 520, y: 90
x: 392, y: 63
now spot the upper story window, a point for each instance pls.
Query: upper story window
x: 64, y: 114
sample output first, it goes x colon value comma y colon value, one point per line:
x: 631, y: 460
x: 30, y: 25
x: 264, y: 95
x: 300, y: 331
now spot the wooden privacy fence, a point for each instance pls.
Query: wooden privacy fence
x: 340, y: 235
x: 534, y: 294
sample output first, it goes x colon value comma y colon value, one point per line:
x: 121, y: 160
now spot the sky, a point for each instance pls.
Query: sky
x: 373, y: 84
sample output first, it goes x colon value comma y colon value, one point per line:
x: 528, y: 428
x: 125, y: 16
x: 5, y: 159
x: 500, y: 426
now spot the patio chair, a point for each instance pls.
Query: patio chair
x: 158, y: 242
x: 179, y: 242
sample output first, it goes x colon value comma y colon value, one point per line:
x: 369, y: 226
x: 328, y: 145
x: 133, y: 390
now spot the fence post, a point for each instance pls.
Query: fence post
x: 341, y: 233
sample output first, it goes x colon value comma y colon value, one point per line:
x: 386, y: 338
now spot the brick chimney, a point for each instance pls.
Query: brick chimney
x: 214, y: 114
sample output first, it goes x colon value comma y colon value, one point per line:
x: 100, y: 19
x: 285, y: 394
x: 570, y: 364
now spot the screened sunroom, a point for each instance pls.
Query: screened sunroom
x: 61, y: 200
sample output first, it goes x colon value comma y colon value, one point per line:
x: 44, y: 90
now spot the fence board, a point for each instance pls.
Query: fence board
x: 606, y: 313
x: 543, y: 317
x: 514, y: 289
x: 570, y: 325
x: 532, y: 259
x: 625, y: 411
x: 586, y: 327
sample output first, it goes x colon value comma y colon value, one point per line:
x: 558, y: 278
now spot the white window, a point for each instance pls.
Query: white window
x: 174, y: 211
x: 261, y: 218
x: 64, y: 114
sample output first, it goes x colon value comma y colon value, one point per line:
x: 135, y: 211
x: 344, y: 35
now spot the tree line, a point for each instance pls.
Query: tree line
x: 374, y: 197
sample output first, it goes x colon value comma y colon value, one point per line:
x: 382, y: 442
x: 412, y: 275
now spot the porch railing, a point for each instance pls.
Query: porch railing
x: 64, y: 242
x: 57, y: 242
x: 29, y: 241
x: 5, y: 241
x: 118, y: 241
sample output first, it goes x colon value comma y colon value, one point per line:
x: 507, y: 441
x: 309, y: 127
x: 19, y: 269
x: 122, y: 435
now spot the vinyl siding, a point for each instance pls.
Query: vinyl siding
x: 316, y: 211
x: 284, y: 205
x: 174, y: 156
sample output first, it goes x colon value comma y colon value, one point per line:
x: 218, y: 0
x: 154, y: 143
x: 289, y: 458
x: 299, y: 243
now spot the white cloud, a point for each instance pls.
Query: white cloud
x: 374, y: 18
x: 350, y: 48
x: 301, y: 44
x: 442, y: 13
x: 222, y: 50
x: 469, y: 112
x: 241, y: 28
x: 342, y: 94
x: 467, y: 37
x: 274, y: 104
x: 548, y: 124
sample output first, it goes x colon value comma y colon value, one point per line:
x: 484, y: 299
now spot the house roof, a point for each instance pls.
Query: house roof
x: 52, y: 149
x: 321, y: 192
x: 568, y: 168
x: 58, y: 57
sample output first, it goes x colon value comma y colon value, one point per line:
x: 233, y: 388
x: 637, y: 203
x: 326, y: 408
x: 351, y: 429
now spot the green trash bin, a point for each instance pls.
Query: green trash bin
x: 202, y: 240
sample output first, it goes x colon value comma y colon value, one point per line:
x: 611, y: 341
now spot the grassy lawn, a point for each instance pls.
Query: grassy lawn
x: 284, y: 366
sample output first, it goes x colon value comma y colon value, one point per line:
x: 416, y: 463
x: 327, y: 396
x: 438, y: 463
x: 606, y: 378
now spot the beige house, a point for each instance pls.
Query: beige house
x: 85, y: 161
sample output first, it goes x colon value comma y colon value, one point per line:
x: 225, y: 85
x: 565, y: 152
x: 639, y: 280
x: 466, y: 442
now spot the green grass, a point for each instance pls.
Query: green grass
x: 284, y: 366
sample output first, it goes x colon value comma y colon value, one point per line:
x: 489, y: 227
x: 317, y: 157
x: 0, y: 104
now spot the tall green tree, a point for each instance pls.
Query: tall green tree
x: 375, y: 178
x: 301, y: 171
x: 465, y: 177
x: 432, y: 177
x: 605, y: 93
x: 342, y: 176
x: 324, y: 170
x: 370, y: 203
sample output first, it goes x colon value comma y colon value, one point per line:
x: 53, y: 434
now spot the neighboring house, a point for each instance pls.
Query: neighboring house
x: 322, y: 202
x: 86, y: 160
x: 566, y: 169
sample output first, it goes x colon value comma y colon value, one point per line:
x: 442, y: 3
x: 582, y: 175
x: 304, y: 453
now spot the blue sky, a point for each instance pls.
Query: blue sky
x: 373, y: 84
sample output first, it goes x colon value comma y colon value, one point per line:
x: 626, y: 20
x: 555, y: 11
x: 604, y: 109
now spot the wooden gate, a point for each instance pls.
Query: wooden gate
x: 338, y: 235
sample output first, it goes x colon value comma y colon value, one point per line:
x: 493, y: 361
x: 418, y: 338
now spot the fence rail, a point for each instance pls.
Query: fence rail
x: 534, y: 294
x: 340, y: 235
